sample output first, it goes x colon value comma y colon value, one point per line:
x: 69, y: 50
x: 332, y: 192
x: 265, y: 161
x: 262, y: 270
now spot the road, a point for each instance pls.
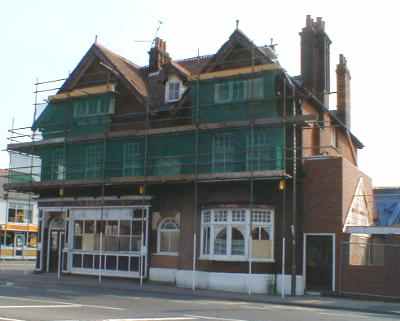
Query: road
x: 62, y: 303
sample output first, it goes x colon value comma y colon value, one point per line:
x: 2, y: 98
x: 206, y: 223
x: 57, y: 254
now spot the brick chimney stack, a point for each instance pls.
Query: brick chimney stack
x: 343, y: 91
x: 158, y: 55
x: 315, y: 62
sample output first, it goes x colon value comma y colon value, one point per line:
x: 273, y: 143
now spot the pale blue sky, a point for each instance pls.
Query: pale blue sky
x: 46, y: 39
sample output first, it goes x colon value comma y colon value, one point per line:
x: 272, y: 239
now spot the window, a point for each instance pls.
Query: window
x: 168, y: 237
x: 223, y: 92
x: 225, y: 234
x: 78, y: 231
x: 108, y: 235
x: 93, y: 106
x: 256, y: 88
x: 238, y: 90
x: 223, y: 153
x: 220, y: 242
x: 259, y: 153
x: 167, y: 165
x: 238, y: 243
x: 20, y: 217
x: 57, y: 171
x: 11, y: 214
x: 173, y: 91
x: 19, y: 213
x: 132, y: 162
x: 94, y: 161
x: 88, y: 236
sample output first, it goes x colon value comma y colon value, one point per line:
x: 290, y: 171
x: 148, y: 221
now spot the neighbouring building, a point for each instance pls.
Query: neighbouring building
x: 194, y: 171
x: 18, y: 223
x: 373, y: 250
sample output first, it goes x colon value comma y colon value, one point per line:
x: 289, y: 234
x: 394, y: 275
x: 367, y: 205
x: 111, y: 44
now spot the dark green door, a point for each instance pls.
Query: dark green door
x: 319, y: 259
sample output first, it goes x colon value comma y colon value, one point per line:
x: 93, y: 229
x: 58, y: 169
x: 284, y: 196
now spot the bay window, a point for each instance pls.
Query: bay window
x: 226, y: 236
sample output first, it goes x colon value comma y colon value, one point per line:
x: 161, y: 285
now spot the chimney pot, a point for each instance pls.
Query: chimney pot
x: 315, y: 59
x: 158, y: 55
x: 309, y: 21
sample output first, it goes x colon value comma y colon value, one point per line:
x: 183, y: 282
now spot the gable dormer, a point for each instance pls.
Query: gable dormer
x: 239, y: 51
x: 175, y: 78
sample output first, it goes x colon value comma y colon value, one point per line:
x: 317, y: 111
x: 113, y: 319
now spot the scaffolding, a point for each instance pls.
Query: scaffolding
x: 251, y: 138
x: 222, y: 138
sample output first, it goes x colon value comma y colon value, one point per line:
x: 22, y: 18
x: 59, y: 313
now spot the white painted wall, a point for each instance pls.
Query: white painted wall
x: 3, y: 211
x: 288, y: 284
x: 233, y: 282
x: 35, y: 214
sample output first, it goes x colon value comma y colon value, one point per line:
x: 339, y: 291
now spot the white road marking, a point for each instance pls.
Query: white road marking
x: 33, y: 300
x: 213, y: 318
x: 41, y: 306
x: 56, y: 304
x: 346, y: 315
x: 101, y: 307
x: 8, y: 319
x: 61, y: 291
x: 155, y: 319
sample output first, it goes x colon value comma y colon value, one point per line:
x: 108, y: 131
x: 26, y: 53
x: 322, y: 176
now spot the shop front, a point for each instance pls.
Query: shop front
x: 109, y: 240
x: 18, y: 241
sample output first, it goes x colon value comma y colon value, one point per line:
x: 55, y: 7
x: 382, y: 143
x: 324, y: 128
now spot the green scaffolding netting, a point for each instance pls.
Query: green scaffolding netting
x: 85, y: 115
x: 234, y: 150
x: 241, y: 97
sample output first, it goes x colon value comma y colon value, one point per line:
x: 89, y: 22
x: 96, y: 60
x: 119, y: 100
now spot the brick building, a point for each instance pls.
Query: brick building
x: 194, y: 171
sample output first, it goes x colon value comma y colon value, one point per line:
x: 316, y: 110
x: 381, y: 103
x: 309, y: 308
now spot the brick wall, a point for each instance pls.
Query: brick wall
x: 179, y: 198
x: 329, y: 187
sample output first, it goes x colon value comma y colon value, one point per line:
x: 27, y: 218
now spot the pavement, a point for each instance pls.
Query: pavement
x: 118, y: 298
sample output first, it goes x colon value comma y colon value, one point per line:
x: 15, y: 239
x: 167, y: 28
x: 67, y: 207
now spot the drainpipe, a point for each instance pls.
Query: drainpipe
x: 294, y: 199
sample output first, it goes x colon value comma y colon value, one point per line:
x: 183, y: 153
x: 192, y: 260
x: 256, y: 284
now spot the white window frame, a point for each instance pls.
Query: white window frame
x: 253, y: 89
x: 217, y: 97
x: 168, y: 91
x: 132, y: 159
x: 94, y: 161
x: 223, y: 153
x: 81, y: 108
x: 242, y: 225
x: 160, y: 230
x: 26, y: 207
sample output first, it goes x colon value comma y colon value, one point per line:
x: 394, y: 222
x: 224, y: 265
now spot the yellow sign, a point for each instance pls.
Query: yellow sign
x: 20, y: 227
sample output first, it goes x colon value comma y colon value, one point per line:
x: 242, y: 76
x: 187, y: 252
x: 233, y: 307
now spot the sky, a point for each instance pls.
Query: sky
x: 45, y: 39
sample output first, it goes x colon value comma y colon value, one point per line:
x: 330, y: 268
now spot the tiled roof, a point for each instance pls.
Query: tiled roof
x: 129, y: 70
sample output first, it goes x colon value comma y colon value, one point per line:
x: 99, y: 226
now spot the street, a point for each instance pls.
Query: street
x: 71, y: 302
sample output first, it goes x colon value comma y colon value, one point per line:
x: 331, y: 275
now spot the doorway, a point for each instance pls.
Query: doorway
x: 55, y: 244
x: 319, y: 262
x: 56, y: 240
x: 19, y: 244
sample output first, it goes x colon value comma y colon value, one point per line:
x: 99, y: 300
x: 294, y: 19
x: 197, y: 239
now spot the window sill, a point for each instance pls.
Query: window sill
x: 168, y: 101
x: 20, y: 223
x: 166, y: 253
x: 226, y: 258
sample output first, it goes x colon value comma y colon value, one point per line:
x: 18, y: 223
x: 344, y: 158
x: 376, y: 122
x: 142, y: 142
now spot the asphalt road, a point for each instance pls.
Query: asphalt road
x: 62, y: 303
